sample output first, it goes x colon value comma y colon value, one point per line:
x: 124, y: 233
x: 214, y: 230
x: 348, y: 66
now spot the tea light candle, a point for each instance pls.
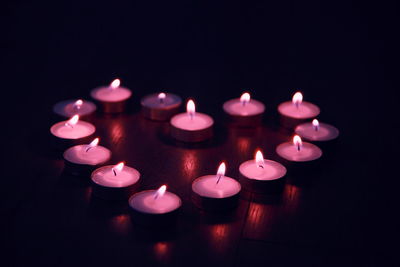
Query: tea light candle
x: 69, y: 108
x: 161, y: 106
x: 316, y: 131
x: 72, y: 131
x: 112, y: 98
x: 298, y: 151
x: 83, y: 159
x: 244, y: 111
x: 115, y: 181
x: 297, y: 111
x: 191, y: 126
x: 154, y: 207
x: 261, y: 175
x: 216, y: 192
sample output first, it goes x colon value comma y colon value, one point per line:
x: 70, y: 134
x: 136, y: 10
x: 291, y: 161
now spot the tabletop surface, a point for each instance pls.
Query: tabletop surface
x: 334, y: 215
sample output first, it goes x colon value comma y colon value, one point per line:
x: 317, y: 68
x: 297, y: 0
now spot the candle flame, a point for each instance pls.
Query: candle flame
x: 297, y: 142
x: 259, y: 159
x: 245, y: 98
x: 297, y: 98
x: 190, y: 108
x: 119, y: 166
x: 315, y: 123
x: 221, y: 169
x: 115, y: 84
x: 161, y: 96
x: 78, y: 103
x: 92, y: 144
x: 74, y: 120
x: 161, y: 191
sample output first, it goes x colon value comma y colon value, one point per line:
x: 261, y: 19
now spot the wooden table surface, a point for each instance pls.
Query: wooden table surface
x: 336, y: 215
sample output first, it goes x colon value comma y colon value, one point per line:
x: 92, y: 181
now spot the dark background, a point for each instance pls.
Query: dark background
x: 340, y: 54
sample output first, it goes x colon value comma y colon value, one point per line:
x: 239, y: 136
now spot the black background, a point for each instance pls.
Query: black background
x: 340, y: 54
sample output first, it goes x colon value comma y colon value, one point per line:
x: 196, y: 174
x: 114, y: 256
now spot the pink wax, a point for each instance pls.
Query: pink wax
x: 235, y: 107
x: 79, y: 130
x: 86, y: 155
x: 107, y: 176
x: 69, y: 108
x: 207, y: 186
x: 110, y: 94
x: 147, y: 202
x: 304, y: 110
x: 198, y: 121
x: 270, y: 170
x: 307, y: 152
x: 323, y: 132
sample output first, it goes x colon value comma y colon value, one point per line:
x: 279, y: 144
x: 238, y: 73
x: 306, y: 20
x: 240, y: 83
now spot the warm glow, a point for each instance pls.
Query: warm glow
x: 297, y: 98
x: 74, y: 120
x: 221, y: 169
x: 115, y: 84
x: 190, y: 107
x: 245, y: 98
x: 78, y: 103
x: 259, y: 158
x: 161, y: 96
x: 119, y: 166
x: 315, y: 123
x: 161, y: 191
x: 297, y: 142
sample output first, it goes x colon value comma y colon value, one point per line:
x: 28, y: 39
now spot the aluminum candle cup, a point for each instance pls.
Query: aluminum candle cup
x: 261, y: 175
x: 191, y: 126
x: 68, y: 108
x: 297, y: 111
x: 244, y: 112
x: 112, y: 98
x: 155, y: 207
x: 115, y: 182
x: 216, y: 192
x: 67, y: 133
x: 83, y: 159
x: 301, y: 156
x: 161, y: 106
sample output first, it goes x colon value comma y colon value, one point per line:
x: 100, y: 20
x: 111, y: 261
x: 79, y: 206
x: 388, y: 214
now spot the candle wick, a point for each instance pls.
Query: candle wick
x: 261, y: 166
x: 316, y: 128
x: 161, y: 100
x: 191, y: 115
x: 298, y: 147
x: 156, y: 195
x: 88, y: 148
x: 69, y: 125
x: 115, y: 173
x: 219, y: 178
x: 244, y: 103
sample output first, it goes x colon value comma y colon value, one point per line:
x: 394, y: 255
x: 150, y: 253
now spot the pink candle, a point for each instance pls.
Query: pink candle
x: 155, y: 207
x: 69, y: 108
x: 115, y: 181
x: 296, y: 111
x: 72, y: 129
x: 161, y: 106
x: 191, y: 126
x: 316, y: 131
x: 261, y: 175
x: 113, y: 97
x: 216, y: 191
x: 82, y: 159
x: 244, y: 111
x: 299, y: 151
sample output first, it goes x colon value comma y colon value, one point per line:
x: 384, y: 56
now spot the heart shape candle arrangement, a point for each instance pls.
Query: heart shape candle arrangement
x: 209, y: 192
